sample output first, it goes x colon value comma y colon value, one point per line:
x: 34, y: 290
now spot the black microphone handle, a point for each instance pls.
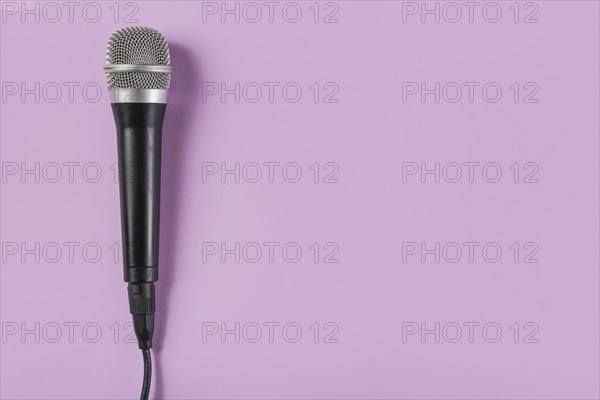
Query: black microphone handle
x: 139, y: 134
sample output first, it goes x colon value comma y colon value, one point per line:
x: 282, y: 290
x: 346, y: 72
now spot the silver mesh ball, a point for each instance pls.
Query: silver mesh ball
x: 138, y: 45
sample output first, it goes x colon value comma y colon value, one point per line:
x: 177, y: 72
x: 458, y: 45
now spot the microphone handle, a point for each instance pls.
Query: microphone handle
x: 139, y: 133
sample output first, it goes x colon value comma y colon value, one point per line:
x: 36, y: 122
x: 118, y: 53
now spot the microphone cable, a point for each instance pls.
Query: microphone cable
x: 142, y: 305
x: 147, y: 374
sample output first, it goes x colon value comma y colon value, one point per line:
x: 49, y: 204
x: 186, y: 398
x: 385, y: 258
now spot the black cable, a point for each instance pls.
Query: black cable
x: 142, y: 307
x: 147, y: 374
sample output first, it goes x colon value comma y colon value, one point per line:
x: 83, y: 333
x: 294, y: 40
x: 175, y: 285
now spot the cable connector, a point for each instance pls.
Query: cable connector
x: 142, y: 304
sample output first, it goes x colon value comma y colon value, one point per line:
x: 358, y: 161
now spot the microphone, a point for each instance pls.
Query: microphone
x: 138, y: 73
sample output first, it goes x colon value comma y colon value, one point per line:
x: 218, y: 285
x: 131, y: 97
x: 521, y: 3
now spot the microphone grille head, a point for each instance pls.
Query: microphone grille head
x: 138, y: 46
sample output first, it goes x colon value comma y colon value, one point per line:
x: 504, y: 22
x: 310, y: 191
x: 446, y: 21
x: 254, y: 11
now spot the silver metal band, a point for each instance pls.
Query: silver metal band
x: 165, y: 69
x: 118, y: 95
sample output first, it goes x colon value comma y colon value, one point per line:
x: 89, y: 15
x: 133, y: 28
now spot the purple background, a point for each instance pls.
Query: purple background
x: 369, y: 133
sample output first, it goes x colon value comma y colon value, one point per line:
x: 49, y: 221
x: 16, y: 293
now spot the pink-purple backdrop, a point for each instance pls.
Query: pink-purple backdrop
x: 529, y: 321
